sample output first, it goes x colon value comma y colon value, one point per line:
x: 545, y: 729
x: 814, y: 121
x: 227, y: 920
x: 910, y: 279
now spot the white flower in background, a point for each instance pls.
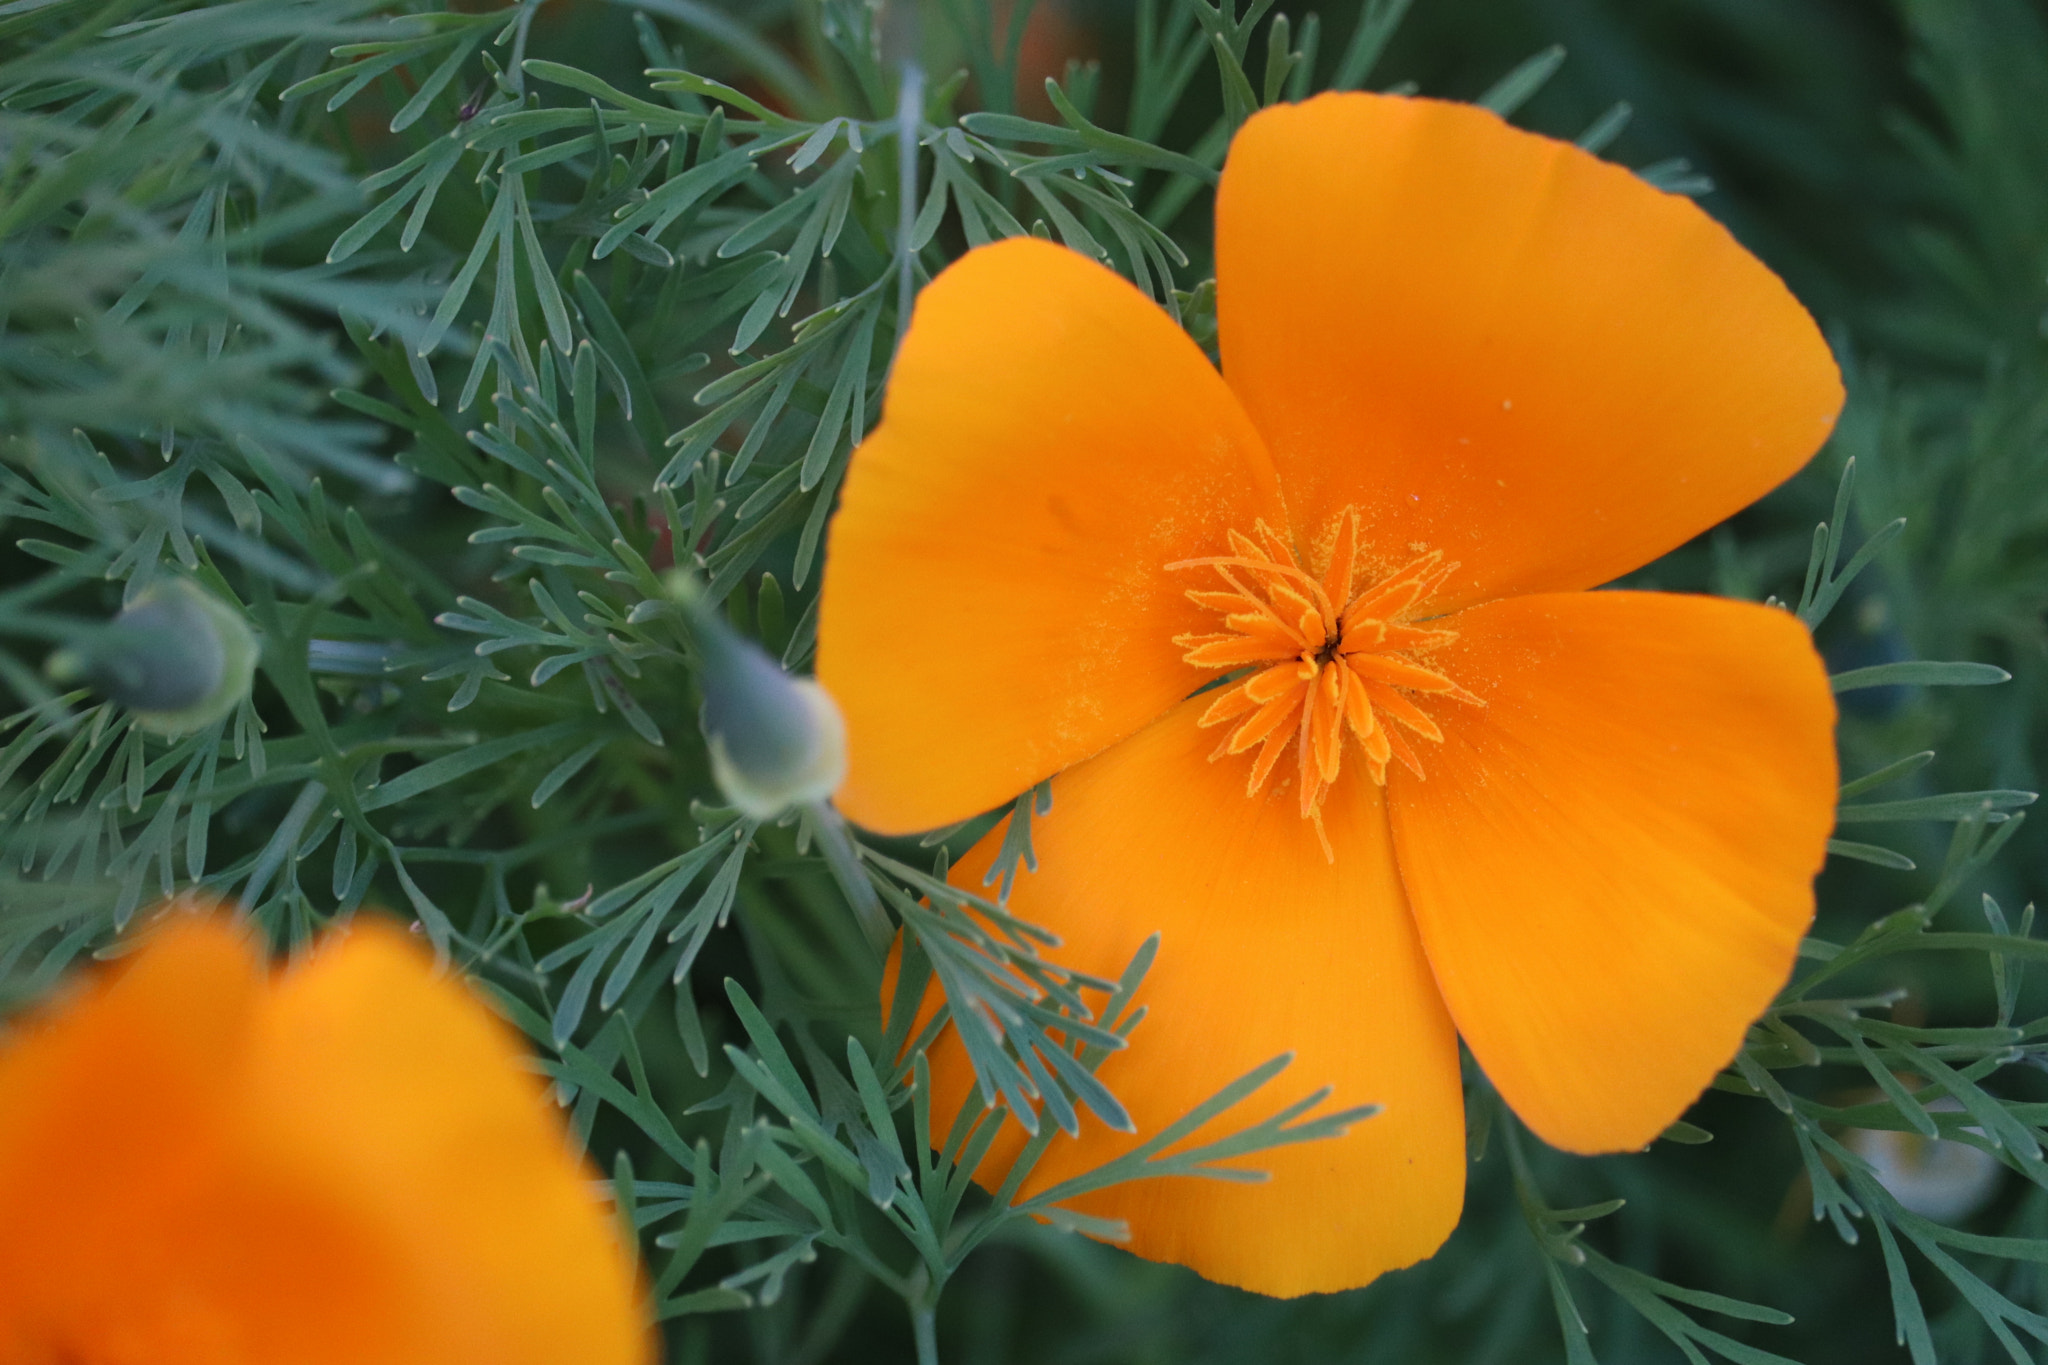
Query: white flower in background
x: 1940, y: 1179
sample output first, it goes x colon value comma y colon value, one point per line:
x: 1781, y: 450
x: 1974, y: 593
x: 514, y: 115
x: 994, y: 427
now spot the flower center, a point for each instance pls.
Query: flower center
x: 1320, y: 657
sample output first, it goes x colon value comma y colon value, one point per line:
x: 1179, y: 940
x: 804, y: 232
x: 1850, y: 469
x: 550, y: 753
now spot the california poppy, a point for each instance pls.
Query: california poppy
x: 1442, y: 790
x: 203, y: 1164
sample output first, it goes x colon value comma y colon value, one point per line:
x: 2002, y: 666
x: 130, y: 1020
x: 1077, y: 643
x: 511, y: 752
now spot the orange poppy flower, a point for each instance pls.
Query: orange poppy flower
x: 1308, y: 646
x: 201, y: 1164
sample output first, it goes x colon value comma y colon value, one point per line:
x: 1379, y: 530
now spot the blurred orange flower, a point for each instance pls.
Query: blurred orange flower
x: 1468, y: 373
x: 203, y: 1164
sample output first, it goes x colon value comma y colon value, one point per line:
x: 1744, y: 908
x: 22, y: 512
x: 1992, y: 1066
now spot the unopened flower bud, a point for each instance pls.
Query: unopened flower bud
x: 176, y: 656
x: 775, y: 741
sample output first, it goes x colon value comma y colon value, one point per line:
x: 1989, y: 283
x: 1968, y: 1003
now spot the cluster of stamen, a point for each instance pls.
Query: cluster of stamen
x: 1320, y: 658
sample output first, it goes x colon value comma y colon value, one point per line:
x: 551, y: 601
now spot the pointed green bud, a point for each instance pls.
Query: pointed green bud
x: 176, y: 656
x: 775, y: 741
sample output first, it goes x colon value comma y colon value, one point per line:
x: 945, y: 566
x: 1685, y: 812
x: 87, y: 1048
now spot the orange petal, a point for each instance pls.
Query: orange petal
x: 198, y: 1166
x: 113, y: 1102
x: 1265, y: 948
x: 142, y: 1232
x: 416, y: 1104
x: 1499, y: 346
x: 996, y: 603
x: 1613, y: 862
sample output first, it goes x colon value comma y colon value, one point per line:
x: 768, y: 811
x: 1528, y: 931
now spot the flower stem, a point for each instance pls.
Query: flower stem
x: 909, y: 118
x: 921, y: 1295
x: 844, y: 862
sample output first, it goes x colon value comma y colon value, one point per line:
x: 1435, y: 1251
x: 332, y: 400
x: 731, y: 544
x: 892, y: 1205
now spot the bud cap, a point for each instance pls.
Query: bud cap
x: 775, y: 741
x: 177, y: 657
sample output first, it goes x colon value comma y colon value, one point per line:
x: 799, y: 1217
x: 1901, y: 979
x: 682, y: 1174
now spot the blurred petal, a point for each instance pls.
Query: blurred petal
x: 1266, y: 948
x: 996, y: 604
x: 1612, y: 863
x: 200, y: 1168
x: 1499, y: 346
x: 135, y: 1234
x: 417, y: 1105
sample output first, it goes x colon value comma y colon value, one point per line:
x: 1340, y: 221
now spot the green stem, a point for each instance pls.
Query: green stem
x: 909, y: 120
x: 921, y: 1294
x: 844, y: 861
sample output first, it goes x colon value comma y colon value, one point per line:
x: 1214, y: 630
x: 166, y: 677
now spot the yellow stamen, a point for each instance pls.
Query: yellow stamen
x: 1323, y: 669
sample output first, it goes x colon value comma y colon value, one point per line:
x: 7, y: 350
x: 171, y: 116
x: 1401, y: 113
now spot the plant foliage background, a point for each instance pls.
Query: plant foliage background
x: 432, y: 338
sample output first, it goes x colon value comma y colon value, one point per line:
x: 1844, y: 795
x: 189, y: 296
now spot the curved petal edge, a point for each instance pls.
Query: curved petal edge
x: 1612, y: 862
x: 1498, y: 346
x: 996, y: 604
x: 1265, y: 948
